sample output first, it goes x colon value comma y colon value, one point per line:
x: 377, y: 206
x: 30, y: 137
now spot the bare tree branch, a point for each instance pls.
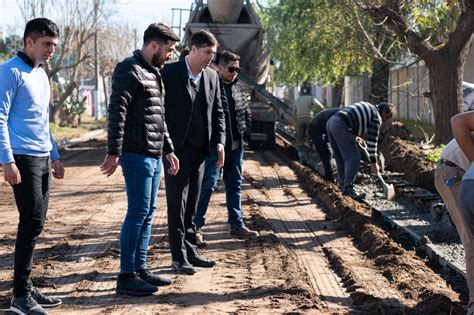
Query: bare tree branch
x: 390, y: 15
x: 371, y: 42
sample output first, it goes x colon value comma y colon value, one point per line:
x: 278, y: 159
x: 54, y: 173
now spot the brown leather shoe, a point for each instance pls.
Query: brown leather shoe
x: 243, y: 232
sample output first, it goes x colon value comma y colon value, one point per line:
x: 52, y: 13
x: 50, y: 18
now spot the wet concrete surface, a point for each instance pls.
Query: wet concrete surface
x: 426, y: 228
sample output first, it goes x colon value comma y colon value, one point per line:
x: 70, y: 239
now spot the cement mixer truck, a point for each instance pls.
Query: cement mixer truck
x: 237, y: 28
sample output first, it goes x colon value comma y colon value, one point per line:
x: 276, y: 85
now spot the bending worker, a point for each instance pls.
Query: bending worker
x: 318, y: 134
x: 359, y: 119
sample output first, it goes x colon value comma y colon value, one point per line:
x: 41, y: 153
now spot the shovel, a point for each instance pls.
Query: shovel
x: 388, y: 189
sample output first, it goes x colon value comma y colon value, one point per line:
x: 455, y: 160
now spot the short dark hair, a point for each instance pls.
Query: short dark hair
x: 40, y: 27
x: 184, y: 53
x: 159, y: 32
x: 227, y: 56
x: 203, y: 38
x: 305, y: 90
x: 386, y: 108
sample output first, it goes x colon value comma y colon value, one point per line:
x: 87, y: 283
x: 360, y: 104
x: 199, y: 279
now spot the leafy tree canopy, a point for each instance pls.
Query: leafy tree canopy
x: 9, y: 46
x: 327, y: 40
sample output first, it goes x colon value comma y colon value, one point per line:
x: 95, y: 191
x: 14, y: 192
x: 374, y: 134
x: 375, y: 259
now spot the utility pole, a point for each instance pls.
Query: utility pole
x: 98, y: 109
x: 178, y: 25
x: 135, y: 38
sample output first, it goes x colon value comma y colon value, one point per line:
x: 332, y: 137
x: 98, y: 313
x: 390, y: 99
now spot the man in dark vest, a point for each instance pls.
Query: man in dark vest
x: 195, y: 120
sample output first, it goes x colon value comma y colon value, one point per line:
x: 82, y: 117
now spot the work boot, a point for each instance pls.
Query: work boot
x: 200, y: 242
x: 329, y: 178
x: 302, y: 158
x: 351, y: 193
x: 43, y: 300
x: 26, y: 305
x: 131, y: 284
x: 153, y: 279
x: 243, y: 232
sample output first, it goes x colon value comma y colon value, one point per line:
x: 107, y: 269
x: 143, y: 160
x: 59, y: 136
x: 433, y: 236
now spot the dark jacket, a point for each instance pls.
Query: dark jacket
x: 179, y: 109
x: 242, y: 110
x: 317, y: 127
x: 225, y: 108
x: 136, y: 110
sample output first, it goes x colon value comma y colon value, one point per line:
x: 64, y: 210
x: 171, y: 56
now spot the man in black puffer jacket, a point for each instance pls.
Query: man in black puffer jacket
x: 138, y: 138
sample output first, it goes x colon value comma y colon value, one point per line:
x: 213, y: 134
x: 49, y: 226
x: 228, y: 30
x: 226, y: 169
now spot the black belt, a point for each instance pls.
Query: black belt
x: 449, y: 163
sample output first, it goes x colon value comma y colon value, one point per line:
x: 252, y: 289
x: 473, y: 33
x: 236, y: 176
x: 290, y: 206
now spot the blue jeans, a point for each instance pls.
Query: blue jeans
x: 142, y: 180
x: 233, y: 183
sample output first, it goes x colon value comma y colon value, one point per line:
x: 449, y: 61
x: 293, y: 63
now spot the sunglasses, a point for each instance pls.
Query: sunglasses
x: 233, y: 69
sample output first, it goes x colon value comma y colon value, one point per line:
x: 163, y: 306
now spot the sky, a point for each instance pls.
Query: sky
x: 137, y: 13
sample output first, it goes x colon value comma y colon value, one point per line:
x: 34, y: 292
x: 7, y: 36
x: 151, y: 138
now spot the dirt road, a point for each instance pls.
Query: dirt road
x: 304, y: 260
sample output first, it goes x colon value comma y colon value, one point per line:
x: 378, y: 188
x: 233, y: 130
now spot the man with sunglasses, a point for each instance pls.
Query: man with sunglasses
x: 235, y: 99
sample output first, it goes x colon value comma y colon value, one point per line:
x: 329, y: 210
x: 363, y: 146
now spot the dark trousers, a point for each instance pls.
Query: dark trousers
x: 31, y: 197
x: 182, y: 194
x: 345, y: 150
x: 322, y: 146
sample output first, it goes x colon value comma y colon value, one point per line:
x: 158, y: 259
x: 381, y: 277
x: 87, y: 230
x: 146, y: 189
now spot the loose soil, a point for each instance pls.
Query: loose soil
x: 321, y: 255
x: 404, y: 156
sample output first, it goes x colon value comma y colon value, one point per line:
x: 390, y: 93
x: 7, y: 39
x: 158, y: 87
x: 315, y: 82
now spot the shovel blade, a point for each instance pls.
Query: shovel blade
x: 389, y: 191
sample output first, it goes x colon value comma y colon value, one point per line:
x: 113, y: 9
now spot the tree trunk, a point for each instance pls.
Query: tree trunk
x: 337, y: 94
x: 446, y: 75
x: 54, y: 114
x: 381, y: 73
x: 106, y: 91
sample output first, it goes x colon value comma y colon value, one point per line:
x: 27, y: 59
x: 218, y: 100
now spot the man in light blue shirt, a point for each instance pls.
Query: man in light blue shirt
x: 26, y: 151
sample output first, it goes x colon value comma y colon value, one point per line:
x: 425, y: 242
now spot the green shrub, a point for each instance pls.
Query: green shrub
x: 434, y: 156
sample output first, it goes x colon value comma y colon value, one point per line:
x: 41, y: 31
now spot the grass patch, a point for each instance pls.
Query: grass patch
x: 434, y: 155
x: 87, y: 124
x: 416, y: 128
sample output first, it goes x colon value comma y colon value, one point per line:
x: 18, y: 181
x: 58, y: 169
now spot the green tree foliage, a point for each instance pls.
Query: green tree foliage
x: 9, y: 46
x: 326, y: 40
x: 440, y: 33
x: 323, y: 40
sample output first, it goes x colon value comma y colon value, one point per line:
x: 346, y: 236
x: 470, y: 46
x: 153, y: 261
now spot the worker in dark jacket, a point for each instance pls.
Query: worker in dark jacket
x: 359, y: 119
x: 239, y: 125
x: 138, y: 138
x: 319, y: 136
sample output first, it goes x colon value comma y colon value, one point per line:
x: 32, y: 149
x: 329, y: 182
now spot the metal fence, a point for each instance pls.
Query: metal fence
x: 407, y: 87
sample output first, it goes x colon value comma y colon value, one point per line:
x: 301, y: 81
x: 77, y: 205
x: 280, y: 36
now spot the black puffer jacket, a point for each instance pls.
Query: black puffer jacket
x: 136, y: 111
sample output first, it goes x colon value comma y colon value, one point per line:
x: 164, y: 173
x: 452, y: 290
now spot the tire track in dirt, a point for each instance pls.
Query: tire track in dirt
x: 78, y: 257
x: 406, y: 272
x: 369, y: 289
x: 279, y: 211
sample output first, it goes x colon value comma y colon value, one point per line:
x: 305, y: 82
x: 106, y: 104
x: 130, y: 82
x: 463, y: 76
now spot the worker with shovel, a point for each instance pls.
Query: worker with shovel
x: 359, y: 119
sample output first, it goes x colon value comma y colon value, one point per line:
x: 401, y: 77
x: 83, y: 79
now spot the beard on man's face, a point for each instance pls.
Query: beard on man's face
x: 157, y: 61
